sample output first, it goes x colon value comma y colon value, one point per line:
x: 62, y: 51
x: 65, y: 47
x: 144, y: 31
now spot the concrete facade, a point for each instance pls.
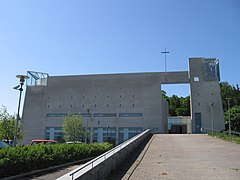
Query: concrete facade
x: 115, y: 106
x: 206, y: 103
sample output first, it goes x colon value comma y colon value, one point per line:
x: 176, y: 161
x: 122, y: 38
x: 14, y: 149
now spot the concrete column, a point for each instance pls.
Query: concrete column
x: 117, y: 132
x: 100, y: 135
x: 125, y: 134
x: 51, y: 136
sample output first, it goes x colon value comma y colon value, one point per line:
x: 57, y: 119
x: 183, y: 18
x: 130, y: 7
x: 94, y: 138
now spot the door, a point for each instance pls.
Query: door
x: 198, y: 122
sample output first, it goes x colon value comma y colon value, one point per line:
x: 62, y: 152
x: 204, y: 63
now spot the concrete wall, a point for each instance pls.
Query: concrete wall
x: 120, y: 93
x: 113, y: 93
x: 102, y: 166
x: 205, y: 96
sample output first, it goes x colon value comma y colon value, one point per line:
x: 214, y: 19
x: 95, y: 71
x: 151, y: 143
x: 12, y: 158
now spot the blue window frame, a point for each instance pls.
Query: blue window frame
x: 105, y: 115
x: 130, y: 114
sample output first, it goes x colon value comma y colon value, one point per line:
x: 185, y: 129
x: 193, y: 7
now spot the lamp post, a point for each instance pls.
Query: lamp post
x: 20, y: 88
x: 212, y: 115
x: 229, y: 116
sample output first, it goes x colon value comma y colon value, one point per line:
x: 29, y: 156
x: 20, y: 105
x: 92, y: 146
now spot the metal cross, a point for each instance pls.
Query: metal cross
x: 165, y: 52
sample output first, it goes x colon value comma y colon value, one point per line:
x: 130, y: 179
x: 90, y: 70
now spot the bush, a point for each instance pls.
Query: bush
x: 28, y: 158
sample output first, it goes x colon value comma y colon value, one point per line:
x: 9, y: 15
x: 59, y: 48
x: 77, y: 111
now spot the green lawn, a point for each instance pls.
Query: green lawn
x: 225, y: 136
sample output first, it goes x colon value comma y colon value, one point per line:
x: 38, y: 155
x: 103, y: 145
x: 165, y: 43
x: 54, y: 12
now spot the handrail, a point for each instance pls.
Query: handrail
x: 115, y: 149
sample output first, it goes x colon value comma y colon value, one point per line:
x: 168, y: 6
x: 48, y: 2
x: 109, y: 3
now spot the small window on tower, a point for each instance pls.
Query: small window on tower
x: 196, y: 79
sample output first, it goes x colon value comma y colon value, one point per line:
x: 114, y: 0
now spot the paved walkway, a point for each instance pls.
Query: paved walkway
x: 187, y: 157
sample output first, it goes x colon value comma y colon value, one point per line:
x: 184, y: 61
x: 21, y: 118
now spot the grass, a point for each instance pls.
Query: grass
x: 225, y: 136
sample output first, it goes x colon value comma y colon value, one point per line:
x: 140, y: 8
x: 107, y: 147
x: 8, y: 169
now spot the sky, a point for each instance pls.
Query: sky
x: 72, y: 37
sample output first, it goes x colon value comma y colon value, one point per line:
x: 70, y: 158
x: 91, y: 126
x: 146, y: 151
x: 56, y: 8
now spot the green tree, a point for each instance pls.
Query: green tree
x: 73, y: 128
x: 7, y: 126
x: 229, y: 91
x: 234, y: 117
x: 164, y: 96
x: 232, y: 92
x: 179, y: 106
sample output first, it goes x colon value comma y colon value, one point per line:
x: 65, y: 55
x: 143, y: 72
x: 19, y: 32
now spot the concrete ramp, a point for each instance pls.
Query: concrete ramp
x: 185, y: 157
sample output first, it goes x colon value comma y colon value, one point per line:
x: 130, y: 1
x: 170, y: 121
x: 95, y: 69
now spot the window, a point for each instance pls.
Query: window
x: 53, y: 133
x: 59, y: 106
x: 105, y: 115
x: 83, y: 106
x: 57, y: 115
x: 107, y: 105
x: 130, y: 114
x: 95, y: 105
x: 196, y: 79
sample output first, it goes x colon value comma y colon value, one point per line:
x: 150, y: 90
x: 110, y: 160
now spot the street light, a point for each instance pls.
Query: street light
x: 229, y: 117
x: 20, y: 88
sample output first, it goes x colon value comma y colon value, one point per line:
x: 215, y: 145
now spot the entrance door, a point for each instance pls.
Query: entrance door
x: 179, y: 129
x: 198, y: 122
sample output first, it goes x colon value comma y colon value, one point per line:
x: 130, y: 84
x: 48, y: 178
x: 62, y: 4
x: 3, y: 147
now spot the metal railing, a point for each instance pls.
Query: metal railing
x: 93, y: 163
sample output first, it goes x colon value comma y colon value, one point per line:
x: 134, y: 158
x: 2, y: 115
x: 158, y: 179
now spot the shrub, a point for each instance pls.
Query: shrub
x: 28, y: 158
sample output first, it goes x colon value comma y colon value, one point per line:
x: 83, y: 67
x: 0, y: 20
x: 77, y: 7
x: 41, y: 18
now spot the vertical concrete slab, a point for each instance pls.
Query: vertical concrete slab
x: 206, y: 104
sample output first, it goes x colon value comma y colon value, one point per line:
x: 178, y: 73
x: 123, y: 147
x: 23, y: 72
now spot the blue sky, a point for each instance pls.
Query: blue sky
x: 115, y: 36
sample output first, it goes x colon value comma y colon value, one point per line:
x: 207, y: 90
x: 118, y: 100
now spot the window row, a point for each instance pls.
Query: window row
x: 99, y: 134
x: 97, y: 114
x: 95, y: 105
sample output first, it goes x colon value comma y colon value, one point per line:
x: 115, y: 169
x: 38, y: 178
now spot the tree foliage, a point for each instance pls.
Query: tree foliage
x: 229, y: 91
x: 234, y: 117
x: 7, y: 125
x: 178, y: 106
x: 232, y: 92
x: 73, y: 128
